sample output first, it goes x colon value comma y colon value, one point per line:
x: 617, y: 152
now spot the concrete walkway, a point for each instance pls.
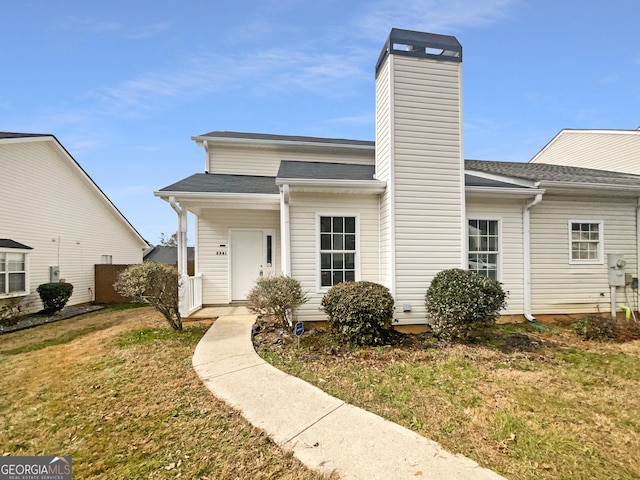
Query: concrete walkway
x: 326, y: 434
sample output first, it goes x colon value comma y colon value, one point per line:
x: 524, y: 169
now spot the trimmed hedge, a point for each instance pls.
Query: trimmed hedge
x: 460, y: 302
x: 54, y: 296
x: 359, y: 312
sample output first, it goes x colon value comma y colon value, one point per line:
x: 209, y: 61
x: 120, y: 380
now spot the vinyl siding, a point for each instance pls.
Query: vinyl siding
x: 384, y: 154
x: 304, y: 209
x: 511, y: 261
x: 213, y: 231
x: 616, y: 151
x: 560, y: 287
x: 266, y: 160
x: 428, y: 176
x: 51, y: 206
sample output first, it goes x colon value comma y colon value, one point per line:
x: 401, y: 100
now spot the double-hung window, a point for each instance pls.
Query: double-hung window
x: 337, y: 250
x: 484, y: 247
x: 585, y: 244
x: 13, y: 273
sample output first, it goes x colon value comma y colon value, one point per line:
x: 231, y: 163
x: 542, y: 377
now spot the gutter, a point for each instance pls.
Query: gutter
x: 285, y: 230
x: 526, y: 238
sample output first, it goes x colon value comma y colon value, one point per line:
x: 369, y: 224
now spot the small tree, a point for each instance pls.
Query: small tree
x: 277, y: 295
x: 155, y: 284
x: 54, y: 296
x: 459, y: 302
x: 169, y: 240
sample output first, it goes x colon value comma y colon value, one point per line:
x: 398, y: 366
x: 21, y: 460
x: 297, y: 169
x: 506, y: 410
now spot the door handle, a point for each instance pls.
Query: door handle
x: 261, y: 272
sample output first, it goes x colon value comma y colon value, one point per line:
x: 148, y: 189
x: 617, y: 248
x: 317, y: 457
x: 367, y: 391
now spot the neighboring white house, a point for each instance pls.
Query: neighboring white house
x: 56, y: 222
x: 401, y: 209
x: 615, y: 150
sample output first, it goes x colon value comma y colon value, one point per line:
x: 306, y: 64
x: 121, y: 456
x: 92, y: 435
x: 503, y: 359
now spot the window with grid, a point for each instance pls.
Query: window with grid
x: 13, y: 274
x: 484, y: 247
x: 586, y: 242
x: 337, y: 250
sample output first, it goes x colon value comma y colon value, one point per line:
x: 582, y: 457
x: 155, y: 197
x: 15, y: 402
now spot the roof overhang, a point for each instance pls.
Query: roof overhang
x: 333, y: 185
x: 284, y: 142
x: 503, y: 192
x: 589, y: 188
x: 196, y: 200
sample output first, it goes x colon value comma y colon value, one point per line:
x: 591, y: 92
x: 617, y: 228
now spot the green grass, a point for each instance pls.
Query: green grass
x: 124, y: 402
x: 526, y: 402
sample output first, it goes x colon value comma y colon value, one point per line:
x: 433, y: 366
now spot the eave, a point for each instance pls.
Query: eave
x: 333, y: 186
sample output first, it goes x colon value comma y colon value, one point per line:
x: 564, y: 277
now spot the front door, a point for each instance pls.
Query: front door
x: 247, y: 261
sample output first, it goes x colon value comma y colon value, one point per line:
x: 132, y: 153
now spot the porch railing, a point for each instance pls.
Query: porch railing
x: 192, y: 295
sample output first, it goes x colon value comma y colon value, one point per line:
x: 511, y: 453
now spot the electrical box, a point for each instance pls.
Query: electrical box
x: 54, y: 274
x: 616, y: 264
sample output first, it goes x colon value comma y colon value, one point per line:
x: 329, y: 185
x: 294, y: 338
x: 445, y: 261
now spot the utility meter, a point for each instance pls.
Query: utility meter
x: 616, y: 263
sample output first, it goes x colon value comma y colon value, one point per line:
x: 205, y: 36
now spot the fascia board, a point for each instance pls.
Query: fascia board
x: 372, y: 185
x: 236, y: 197
x: 591, y: 186
x: 272, y: 143
x: 497, y: 191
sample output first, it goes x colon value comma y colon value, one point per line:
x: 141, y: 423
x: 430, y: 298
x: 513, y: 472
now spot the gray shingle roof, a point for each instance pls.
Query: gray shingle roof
x: 8, y: 243
x: 22, y: 135
x: 168, y: 255
x: 286, y: 138
x: 325, y: 170
x: 552, y: 173
x: 220, y: 183
x: 474, y: 181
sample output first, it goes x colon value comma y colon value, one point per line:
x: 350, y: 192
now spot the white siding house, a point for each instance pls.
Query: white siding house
x: 56, y: 223
x: 399, y: 210
x: 614, y: 150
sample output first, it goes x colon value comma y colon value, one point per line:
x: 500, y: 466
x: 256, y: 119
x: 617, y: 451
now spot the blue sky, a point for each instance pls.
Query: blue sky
x: 125, y: 84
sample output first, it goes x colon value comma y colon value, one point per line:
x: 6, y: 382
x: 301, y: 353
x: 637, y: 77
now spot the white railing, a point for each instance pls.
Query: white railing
x: 191, y: 300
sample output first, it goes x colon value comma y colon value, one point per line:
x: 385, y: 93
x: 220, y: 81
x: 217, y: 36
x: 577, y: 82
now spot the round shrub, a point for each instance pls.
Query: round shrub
x: 277, y: 295
x: 460, y: 302
x: 359, y: 312
x: 54, y: 296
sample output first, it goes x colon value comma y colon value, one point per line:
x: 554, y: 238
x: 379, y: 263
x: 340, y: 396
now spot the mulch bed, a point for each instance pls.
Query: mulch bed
x: 35, y: 319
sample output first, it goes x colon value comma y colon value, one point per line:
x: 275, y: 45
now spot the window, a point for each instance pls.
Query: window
x: 108, y: 259
x: 586, y: 242
x: 484, y: 247
x: 337, y: 250
x: 13, y: 273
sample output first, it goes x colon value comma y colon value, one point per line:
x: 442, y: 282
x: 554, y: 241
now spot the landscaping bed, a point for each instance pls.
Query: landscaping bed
x: 528, y: 401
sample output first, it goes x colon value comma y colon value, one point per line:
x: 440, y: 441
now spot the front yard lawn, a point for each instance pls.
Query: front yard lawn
x: 117, y: 392
x: 527, y: 403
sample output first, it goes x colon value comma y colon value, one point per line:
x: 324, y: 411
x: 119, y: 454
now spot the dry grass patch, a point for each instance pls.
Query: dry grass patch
x: 528, y: 404
x: 116, y: 391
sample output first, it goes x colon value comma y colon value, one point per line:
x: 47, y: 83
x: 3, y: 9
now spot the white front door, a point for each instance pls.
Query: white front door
x: 247, y: 261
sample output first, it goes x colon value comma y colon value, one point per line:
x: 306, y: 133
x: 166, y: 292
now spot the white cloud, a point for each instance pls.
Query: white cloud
x: 437, y: 16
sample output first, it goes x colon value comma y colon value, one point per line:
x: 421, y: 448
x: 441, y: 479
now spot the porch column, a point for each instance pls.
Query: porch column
x: 285, y: 232
x: 183, y: 276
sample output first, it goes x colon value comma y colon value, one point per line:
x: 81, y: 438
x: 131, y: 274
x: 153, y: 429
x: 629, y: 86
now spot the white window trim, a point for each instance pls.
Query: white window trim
x: 600, y: 259
x: 26, y: 273
x: 500, y: 247
x: 319, y: 287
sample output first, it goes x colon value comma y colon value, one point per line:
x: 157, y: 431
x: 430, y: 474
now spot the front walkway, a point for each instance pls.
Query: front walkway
x: 323, y: 432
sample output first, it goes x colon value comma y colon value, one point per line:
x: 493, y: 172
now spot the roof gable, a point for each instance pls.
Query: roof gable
x: 16, y: 138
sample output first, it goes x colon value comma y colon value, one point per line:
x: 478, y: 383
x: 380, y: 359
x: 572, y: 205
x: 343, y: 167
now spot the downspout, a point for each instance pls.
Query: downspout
x: 285, y: 230
x: 526, y: 238
x: 182, y: 256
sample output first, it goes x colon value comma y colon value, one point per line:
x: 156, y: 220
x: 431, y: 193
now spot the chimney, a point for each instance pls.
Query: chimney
x: 419, y: 155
